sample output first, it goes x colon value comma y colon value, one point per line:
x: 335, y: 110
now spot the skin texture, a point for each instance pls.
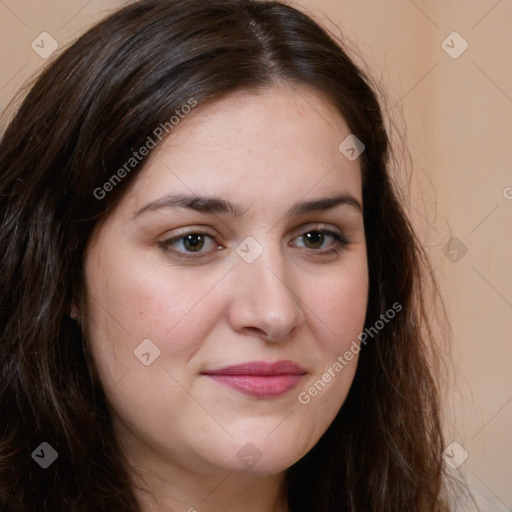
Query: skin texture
x: 265, y: 151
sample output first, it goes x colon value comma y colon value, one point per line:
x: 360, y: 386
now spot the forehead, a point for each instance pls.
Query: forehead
x: 258, y: 146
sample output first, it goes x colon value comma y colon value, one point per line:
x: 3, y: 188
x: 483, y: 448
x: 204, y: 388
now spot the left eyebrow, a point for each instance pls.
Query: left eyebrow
x: 215, y: 205
x: 325, y: 203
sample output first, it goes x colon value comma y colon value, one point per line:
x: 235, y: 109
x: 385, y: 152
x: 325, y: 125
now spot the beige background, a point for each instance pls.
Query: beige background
x: 456, y: 114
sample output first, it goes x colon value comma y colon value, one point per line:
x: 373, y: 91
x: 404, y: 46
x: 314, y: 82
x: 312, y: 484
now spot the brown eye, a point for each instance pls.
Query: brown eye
x: 314, y: 239
x: 193, y: 242
x: 321, y: 240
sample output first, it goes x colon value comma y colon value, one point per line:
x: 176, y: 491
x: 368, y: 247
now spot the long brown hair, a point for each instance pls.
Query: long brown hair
x: 81, y: 121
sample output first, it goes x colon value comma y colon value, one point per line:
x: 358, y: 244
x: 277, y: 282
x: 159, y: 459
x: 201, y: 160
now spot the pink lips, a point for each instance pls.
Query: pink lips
x: 258, y: 378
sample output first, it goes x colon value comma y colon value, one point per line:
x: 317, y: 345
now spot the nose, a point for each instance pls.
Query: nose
x: 263, y: 301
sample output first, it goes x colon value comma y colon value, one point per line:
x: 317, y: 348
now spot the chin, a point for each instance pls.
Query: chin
x: 266, y: 456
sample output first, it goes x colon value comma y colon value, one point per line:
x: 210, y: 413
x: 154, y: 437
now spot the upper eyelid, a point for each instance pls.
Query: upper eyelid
x: 325, y: 228
x: 201, y: 230
x: 310, y: 226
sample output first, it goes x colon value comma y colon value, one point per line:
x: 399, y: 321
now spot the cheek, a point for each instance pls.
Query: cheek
x: 337, y: 314
x: 340, y: 304
x: 129, y: 301
x: 135, y: 310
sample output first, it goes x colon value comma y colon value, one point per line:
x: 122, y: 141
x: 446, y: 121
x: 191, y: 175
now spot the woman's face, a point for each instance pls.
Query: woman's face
x: 224, y: 290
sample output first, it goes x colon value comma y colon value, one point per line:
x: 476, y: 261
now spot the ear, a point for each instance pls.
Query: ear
x: 73, y: 312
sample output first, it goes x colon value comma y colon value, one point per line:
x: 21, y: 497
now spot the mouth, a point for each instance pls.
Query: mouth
x: 258, y: 378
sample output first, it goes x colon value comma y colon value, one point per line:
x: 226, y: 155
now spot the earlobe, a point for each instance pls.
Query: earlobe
x: 74, y: 313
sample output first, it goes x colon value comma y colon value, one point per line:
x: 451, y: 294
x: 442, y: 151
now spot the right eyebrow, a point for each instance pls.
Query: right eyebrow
x: 193, y: 202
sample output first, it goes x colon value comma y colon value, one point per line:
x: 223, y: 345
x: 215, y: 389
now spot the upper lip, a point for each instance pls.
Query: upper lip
x: 259, y: 368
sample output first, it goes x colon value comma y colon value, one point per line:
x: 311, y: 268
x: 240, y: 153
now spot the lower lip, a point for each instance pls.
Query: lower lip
x: 260, y: 386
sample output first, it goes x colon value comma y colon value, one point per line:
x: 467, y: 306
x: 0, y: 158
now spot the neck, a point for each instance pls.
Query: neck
x: 235, y: 492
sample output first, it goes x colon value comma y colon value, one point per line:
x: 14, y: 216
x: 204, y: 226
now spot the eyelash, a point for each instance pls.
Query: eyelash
x: 339, y: 240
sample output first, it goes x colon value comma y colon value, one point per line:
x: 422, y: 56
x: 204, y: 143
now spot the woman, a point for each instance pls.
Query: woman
x: 211, y: 296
